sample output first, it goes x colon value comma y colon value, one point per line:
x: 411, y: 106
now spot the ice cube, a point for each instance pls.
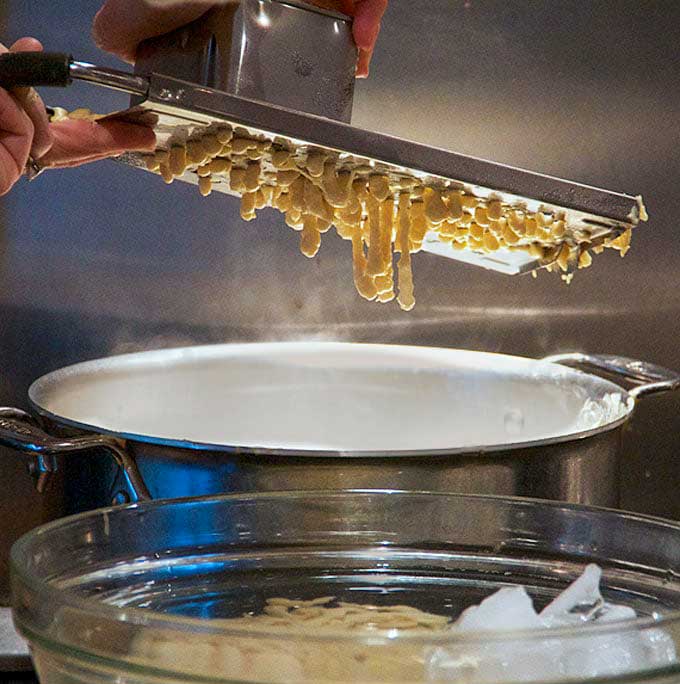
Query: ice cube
x: 572, y: 656
x: 495, y: 662
x: 583, y: 591
x: 509, y: 608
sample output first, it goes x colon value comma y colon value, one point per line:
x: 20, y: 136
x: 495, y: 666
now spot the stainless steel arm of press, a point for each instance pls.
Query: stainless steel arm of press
x: 111, y: 78
x: 58, y: 69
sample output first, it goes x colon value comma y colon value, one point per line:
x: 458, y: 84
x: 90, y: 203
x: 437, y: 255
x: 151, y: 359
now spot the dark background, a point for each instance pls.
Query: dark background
x: 105, y: 259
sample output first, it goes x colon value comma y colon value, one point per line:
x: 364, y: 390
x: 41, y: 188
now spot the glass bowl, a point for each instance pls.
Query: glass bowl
x: 151, y: 592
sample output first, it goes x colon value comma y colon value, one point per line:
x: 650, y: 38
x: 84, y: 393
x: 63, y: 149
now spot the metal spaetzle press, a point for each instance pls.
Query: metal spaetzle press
x: 283, y: 72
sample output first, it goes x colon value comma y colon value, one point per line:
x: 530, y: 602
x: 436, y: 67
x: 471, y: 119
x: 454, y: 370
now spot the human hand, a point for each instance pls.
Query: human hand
x: 26, y: 131
x: 367, y: 15
x: 120, y: 25
x: 24, y: 127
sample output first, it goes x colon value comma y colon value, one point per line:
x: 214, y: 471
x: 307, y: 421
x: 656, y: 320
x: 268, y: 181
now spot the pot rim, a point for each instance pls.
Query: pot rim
x: 478, y: 451
x: 239, y: 450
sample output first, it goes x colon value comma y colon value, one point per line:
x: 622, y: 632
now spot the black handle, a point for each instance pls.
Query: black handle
x: 27, y: 69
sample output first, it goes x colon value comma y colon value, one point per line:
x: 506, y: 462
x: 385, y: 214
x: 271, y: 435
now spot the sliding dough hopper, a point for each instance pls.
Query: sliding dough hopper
x: 282, y: 73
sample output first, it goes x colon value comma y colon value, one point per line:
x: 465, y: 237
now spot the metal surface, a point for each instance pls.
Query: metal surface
x: 302, y: 416
x: 649, y: 378
x: 583, y: 472
x: 109, y: 78
x: 20, y: 432
x: 232, y: 48
x: 287, y: 54
x: 176, y: 107
x: 177, y: 110
x: 502, y: 260
x: 327, y: 399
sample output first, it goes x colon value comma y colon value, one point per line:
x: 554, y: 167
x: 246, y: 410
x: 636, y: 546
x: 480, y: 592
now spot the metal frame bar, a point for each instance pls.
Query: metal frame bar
x: 188, y: 101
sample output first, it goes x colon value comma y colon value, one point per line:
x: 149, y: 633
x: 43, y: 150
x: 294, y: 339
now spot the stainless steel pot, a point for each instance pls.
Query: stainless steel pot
x: 308, y: 415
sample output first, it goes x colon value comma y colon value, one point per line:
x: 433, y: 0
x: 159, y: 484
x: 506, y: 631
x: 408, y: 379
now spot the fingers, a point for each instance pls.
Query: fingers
x: 72, y: 163
x: 16, y: 133
x: 366, y: 26
x: 120, y: 25
x: 35, y: 109
x: 17, y: 129
x: 78, y: 141
x: 33, y: 104
x: 367, y: 17
x: 364, y: 63
x: 27, y: 45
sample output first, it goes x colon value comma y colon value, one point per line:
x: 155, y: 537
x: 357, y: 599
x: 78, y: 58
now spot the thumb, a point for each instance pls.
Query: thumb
x: 367, y: 17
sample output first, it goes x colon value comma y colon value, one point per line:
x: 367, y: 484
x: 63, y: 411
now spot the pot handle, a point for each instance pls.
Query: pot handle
x: 19, y: 430
x: 649, y: 378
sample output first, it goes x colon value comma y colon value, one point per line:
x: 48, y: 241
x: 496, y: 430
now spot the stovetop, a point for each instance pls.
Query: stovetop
x: 15, y: 661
